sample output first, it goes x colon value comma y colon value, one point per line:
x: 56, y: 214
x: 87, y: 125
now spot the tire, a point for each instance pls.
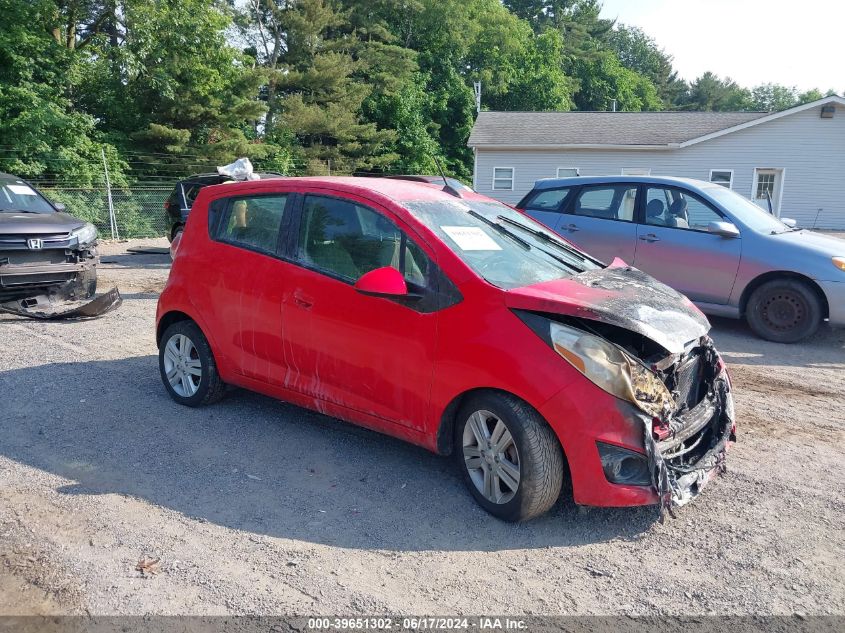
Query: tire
x: 185, y: 350
x: 784, y: 311
x: 534, y: 452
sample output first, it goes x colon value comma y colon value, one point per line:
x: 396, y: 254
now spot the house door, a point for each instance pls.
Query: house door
x: 767, y: 189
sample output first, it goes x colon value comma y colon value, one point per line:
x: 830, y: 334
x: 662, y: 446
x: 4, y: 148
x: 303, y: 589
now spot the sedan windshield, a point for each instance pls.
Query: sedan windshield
x: 18, y: 197
x: 747, y: 212
x: 505, y: 247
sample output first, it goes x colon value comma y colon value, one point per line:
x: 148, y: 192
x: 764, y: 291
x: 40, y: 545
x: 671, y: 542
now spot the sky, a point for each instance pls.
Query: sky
x: 794, y: 43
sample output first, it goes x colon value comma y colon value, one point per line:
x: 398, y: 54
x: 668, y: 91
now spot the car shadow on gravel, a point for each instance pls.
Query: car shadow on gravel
x: 255, y: 464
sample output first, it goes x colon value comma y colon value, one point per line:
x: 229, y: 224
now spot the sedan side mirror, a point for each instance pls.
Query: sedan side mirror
x: 59, y: 206
x: 382, y: 282
x: 725, y: 229
x: 789, y: 222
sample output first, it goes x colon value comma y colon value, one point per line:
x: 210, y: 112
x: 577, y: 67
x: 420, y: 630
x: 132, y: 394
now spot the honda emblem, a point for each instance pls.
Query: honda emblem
x: 34, y: 244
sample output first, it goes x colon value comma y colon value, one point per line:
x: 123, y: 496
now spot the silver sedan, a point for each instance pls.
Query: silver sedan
x: 725, y: 253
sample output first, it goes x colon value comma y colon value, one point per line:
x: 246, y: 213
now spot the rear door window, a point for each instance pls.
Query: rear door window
x: 252, y: 222
x: 609, y: 202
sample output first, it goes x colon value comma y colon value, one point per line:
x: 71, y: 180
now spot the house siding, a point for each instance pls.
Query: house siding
x: 809, y: 149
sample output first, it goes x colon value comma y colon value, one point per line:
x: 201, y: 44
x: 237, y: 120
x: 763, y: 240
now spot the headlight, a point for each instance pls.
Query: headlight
x: 85, y: 234
x: 611, y: 369
x: 839, y: 262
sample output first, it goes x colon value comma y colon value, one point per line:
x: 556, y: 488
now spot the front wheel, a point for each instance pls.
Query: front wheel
x: 784, y: 311
x: 509, y: 457
x: 187, y: 366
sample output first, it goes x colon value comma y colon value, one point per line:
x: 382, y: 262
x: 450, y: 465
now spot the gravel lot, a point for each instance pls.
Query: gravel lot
x: 255, y: 506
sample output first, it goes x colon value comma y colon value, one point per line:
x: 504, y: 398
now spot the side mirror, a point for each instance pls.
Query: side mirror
x: 789, y: 222
x: 59, y: 206
x: 382, y: 282
x: 725, y: 229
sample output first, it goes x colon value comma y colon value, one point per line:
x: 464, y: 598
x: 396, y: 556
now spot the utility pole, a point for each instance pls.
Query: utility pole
x: 477, y: 86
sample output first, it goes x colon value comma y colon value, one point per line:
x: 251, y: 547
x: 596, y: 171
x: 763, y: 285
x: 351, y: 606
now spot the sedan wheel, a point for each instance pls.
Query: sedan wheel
x: 509, y: 457
x: 784, y: 311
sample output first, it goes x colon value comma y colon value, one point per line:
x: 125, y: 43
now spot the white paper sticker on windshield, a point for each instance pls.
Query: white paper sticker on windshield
x: 471, y: 238
x: 21, y: 190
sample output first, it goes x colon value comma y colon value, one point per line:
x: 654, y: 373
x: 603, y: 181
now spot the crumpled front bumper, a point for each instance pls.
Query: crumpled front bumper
x: 685, y: 462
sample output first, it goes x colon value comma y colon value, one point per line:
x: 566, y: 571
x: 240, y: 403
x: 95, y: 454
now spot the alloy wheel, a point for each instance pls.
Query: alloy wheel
x: 491, y: 457
x: 182, y: 365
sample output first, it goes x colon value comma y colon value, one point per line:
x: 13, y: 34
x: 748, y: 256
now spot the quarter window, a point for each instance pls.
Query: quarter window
x: 613, y: 202
x: 252, y: 222
x: 348, y: 240
x: 549, y: 200
x: 503, y: 178
x: 723, y: 177
x: 676, y: 208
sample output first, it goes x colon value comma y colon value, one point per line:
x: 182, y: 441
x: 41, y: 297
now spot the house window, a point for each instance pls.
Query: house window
x: 503, y: 178
x: 765, y: 186
x: 636, y: 171
x: 722, y: 177
x: 567, y: 172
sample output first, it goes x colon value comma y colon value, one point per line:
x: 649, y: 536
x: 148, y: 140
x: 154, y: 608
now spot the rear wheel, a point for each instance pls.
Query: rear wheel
x: 510, y: 459
x: 784, y: 311
x: 187, y: 366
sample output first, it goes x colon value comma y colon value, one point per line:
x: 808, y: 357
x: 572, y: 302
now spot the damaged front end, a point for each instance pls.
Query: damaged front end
x: 686, y: 441
x: 51, y: 277
x: 681, y: 402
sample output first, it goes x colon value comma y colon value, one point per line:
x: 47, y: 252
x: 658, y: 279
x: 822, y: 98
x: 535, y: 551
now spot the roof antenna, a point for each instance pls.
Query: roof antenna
x: 447, y: 188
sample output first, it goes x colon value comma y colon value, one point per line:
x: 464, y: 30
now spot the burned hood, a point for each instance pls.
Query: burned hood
x: 622, y: 296
x: 37, y: 223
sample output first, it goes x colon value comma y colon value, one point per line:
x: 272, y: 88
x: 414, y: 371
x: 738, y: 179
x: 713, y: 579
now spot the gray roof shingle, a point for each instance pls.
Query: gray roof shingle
x: 600, y: 128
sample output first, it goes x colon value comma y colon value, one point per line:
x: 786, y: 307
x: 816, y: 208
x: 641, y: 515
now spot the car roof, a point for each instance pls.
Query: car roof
x: 552, y: 183
x: 395, y: 189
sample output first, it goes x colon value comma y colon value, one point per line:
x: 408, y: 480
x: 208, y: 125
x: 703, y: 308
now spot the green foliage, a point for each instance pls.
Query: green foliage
x: 177, y: 87
x: 41, y: 133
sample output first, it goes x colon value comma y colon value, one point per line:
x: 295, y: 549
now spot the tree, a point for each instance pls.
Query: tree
x: 709, y: 92
x: 604, y: 79
x: 640, y: 53
x: 43, y: 134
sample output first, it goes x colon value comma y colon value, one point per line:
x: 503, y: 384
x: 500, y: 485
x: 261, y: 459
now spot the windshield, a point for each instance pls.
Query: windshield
x: 505, y: 247
x: 17, y: 196
x: 746, y: 211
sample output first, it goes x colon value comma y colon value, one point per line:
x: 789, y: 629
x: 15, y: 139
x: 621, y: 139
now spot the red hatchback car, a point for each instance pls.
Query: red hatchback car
x: 454, y: 322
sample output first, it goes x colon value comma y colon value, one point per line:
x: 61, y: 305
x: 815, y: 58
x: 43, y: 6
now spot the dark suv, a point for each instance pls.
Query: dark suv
x: 43, y: 251
x: 178, y: 204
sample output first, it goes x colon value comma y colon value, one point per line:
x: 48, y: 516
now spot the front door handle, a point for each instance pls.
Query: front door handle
x: 302, y: 300
x: 650, y: 237
x: 572, y: 228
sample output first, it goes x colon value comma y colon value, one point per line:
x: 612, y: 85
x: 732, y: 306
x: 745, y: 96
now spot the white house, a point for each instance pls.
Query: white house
x: 794, y: 158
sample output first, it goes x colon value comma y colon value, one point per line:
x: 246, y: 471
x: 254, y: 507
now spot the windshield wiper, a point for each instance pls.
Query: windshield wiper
x: 543, y: 236
x: 501, y: 230
x: 18, y: 211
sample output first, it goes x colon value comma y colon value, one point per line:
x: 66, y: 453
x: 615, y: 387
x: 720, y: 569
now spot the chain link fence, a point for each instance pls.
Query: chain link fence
x: 139, y: 210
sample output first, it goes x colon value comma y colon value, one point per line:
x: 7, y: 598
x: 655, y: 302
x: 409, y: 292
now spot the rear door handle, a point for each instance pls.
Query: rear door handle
x: 572, y: 228
x: 650, y: 237
x: 302, y: 300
